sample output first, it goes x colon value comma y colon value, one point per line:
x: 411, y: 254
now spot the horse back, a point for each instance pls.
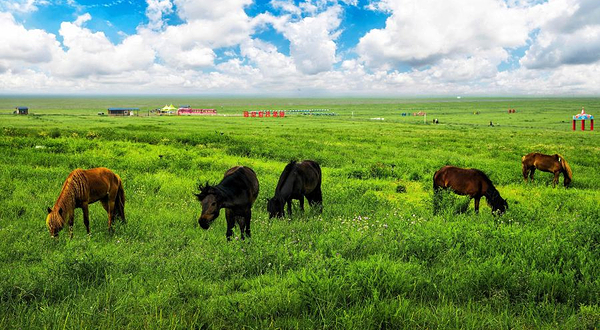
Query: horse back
x: 101, y: 182
x: 462, y: 181
x: 310, y: 173
x: 243, y: 179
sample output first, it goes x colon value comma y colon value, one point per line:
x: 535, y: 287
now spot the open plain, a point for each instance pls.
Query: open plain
x: 376, y: 257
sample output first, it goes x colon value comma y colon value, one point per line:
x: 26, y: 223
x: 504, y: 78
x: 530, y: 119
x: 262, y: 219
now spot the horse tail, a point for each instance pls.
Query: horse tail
x: 566, y: 170
x: 120, y: 201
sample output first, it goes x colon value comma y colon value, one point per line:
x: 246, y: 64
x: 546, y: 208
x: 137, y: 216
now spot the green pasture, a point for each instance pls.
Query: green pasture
x: 377, y: 257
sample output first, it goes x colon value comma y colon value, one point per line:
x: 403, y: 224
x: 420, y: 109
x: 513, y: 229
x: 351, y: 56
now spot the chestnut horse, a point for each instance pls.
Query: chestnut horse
x: 84, y: 187
x: 235, y: 193
x: 555, y: 164
x: 298, y: 180
x: 471, y: 182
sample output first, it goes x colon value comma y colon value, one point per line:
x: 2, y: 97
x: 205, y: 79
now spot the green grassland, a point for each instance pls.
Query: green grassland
x: 377, y: 257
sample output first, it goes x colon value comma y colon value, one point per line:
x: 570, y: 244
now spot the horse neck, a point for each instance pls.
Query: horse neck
x: 226, y: 193
x: 67, y: 198
x: 287, y: 187
x: 492, y: 194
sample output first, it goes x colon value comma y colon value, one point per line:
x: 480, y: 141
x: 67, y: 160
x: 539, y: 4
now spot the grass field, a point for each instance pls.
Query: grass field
x: 376, y: 257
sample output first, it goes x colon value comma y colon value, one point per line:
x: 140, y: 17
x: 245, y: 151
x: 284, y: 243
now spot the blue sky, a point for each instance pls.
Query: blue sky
x: 301, y: 48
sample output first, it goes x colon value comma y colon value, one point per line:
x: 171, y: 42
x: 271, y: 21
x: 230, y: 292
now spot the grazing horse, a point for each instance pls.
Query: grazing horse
x: 298, y: 180
x: 84, y: 187
x: 236, y: 193
x: 555, y: 164
x: 471, y: 182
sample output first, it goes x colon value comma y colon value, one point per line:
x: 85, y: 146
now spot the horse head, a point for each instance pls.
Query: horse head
x: 211, y: 201
x: 499, y: 206
x: 275, y: 207
x: 54, y: 221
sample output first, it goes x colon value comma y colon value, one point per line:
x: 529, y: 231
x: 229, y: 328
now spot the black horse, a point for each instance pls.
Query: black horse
x: 236, y: 193
x: 297, y: 181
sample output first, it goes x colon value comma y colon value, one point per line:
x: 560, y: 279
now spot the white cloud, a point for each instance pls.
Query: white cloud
x: 21, y: 45
x: 92, y: 53
x: 155, y: 11
x: 570, y: 35
x: 190, y: 10
x: 82, y: 19
x: 312, y: 39
x: 421, y: 32
x: 426, y: 47
x: 23, y: 6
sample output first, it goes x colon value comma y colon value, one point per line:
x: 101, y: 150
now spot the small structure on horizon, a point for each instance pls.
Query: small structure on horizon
x: 22, y: 110
x: 168, y: 110
x: 122, y: 111
x: 583, y: 117
x: 187, y: 111
x: 265, y: 113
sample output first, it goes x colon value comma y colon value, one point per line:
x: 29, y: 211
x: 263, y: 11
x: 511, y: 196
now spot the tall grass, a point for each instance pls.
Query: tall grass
x: 377, y: 257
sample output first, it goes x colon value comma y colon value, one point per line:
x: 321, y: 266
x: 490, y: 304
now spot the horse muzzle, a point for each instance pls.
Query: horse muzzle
x: 206, y: 220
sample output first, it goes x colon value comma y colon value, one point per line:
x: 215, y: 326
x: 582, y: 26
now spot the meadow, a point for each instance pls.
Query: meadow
x: 377, y: 257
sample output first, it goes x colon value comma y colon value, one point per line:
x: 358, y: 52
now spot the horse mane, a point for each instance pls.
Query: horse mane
x: 285, y: 174
x: 566, y: 168
x: 75, y: 186
x: 227, y: 188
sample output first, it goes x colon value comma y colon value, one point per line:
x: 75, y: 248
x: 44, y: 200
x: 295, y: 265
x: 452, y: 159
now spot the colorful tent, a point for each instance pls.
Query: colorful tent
x: 168, y: 108
x: 583, y: 117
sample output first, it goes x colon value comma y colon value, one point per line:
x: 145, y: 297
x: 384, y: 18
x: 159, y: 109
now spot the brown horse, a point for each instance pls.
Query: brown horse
x: 555, y: 164
x: 298, y: 180
x: 84, y: 187
x: 235, y: 193
x: 471, y: 182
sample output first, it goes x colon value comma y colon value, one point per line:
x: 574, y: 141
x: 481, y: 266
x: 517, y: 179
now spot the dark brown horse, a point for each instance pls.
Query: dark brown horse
x: 84, y: 187
x: 471, y: 182
x: 555, y: 164
x: 235, y: 193
x: 298, y: 180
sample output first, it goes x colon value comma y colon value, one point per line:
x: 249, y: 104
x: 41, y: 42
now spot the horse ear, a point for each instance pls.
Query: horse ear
x: 200, y: 196
x: 49, y: 210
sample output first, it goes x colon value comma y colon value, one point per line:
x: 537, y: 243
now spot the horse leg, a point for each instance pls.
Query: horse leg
x: 555, y: 181
x: 86, y: 217
x: 477, y: 204
x: 531, y: 172
x: 436, y: 200
x: 248, y: 216
x: 110, y: 211
x: 71, y: 220
x: 241, y: 221
x: 302, y: 203
x: 230, y: 223
x: 289, y: 207
x: 316, y: 198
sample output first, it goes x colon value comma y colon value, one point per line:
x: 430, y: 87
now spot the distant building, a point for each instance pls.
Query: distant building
x: 195, y: 112
x: 122, y: 111
x: 22, y: 110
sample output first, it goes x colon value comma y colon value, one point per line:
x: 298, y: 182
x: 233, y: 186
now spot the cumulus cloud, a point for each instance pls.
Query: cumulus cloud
x: 155, y: 11
x: 22, y: 6
x: 312, y: 38
x: 21, y: 45
x: 421, y: 32
x: 570, y: 35
x: 425, y: 47
x: 92, y: 53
